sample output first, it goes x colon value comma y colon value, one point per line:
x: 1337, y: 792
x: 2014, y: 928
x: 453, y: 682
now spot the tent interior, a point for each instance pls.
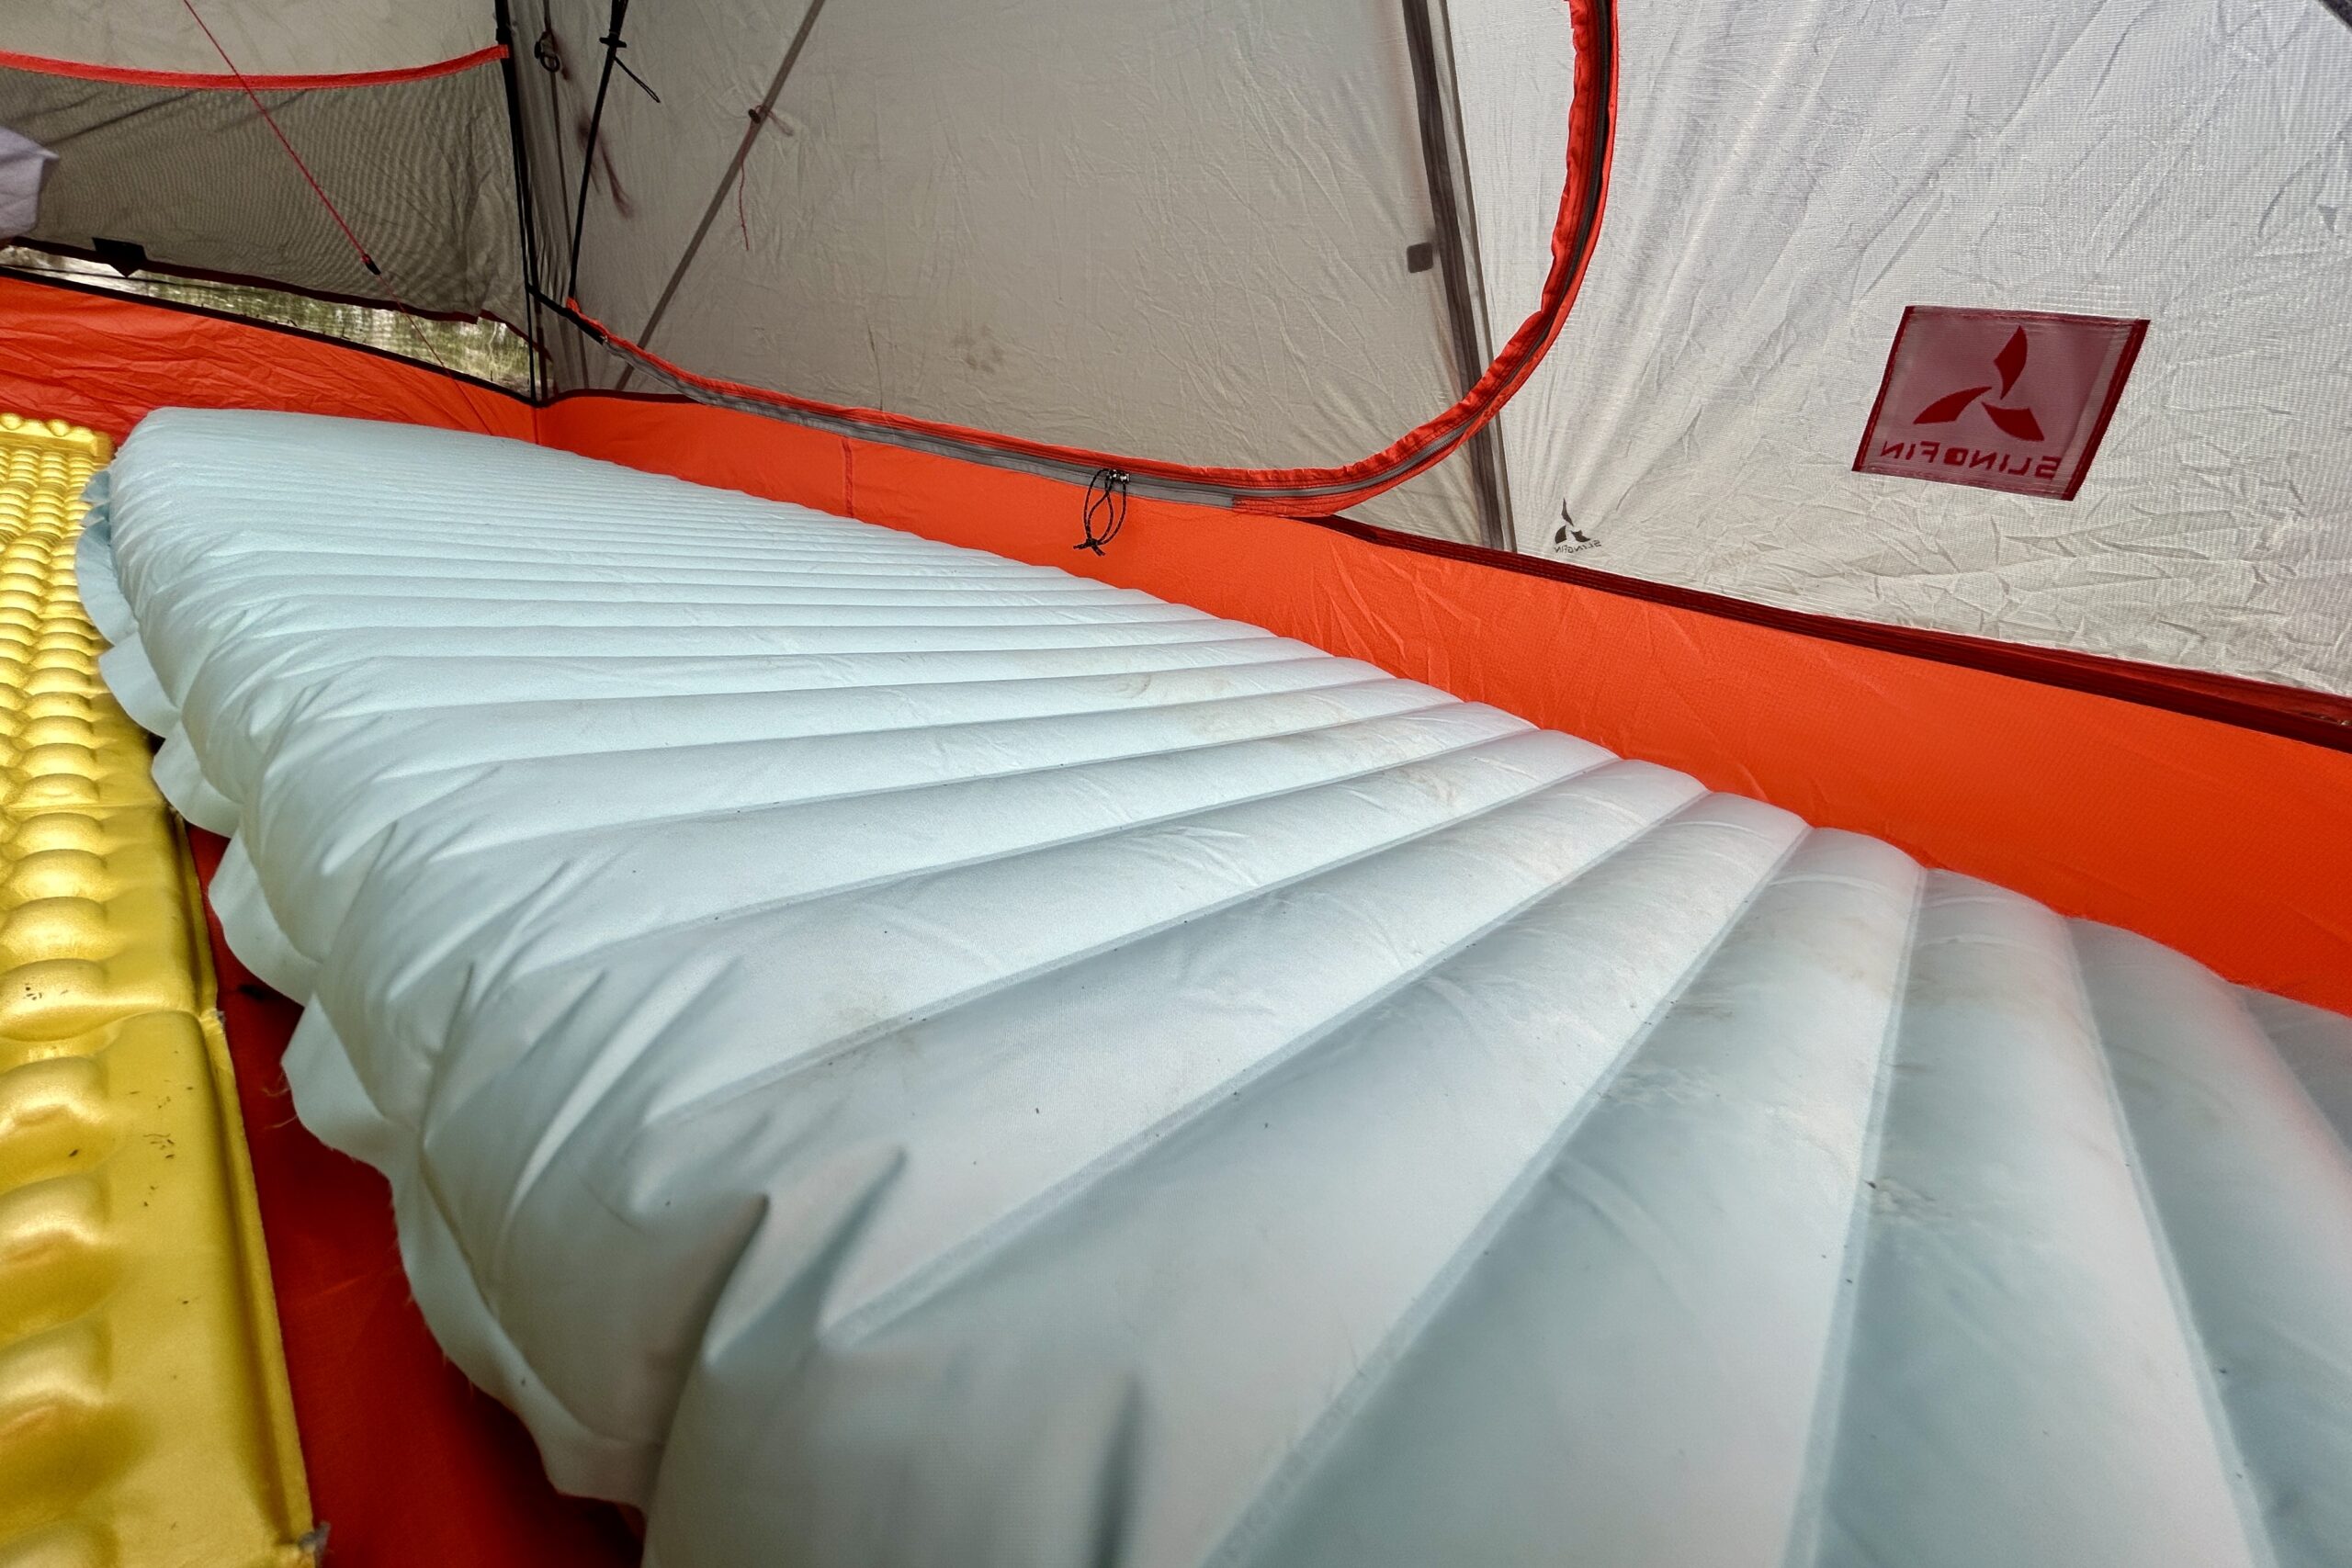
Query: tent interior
x: 1490, y: 781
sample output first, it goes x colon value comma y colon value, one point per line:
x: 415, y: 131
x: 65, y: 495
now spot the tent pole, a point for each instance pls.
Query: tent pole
x: 759, y: 122
x: 1428, y: 39
x: 527, y: 217
x: 611, y: 41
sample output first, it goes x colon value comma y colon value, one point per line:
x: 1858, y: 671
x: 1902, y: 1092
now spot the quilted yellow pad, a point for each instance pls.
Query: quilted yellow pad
x: 143, y: 1409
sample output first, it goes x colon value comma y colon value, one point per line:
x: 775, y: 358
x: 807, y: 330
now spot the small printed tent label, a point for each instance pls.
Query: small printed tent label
x: 2001, y: 399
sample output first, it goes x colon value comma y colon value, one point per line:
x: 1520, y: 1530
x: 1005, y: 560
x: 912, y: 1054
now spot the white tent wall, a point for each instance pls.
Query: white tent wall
x: 1170, y: 232
x: 1787, y: 179
x: 263, y: 36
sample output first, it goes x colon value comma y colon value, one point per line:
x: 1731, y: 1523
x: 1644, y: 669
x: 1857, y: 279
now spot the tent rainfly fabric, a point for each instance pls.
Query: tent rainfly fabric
x: 1340, y: 780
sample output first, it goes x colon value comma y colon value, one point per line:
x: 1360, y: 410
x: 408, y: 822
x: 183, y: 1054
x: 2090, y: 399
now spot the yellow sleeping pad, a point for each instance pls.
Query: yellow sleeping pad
x: 144, y: 1416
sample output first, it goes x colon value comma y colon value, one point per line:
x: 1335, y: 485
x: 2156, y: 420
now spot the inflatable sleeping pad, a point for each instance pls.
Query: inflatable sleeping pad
x: 885, y: 1055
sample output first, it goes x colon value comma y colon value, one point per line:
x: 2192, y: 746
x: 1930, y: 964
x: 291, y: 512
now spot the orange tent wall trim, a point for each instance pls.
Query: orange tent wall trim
x: 234, y: 81
x: 2230, y: 844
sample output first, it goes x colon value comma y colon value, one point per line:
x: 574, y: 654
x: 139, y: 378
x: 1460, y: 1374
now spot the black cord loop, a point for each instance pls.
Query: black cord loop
x: 1106, y: 499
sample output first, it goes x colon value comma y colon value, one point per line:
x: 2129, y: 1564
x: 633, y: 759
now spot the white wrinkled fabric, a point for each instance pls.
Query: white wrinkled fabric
x: 23, y: 168
x: 1169, y: 231
x: 885, y: 1055
x: 1789, y: 178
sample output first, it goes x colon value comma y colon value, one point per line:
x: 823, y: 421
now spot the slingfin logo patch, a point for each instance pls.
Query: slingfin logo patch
x: 2001, y: 399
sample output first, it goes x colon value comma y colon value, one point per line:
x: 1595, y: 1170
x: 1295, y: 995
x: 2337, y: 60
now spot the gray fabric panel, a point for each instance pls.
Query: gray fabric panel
x: 421, y: 171
x: 1170, y: 232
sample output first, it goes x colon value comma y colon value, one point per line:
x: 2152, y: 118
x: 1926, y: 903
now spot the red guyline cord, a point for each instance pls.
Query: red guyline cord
x: 319, y: 190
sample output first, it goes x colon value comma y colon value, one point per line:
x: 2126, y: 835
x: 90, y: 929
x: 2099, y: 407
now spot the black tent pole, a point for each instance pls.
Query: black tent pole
x: 760, y: 118
x: 1436, y: 93
x: 613, y: 47
x: 525, y: 206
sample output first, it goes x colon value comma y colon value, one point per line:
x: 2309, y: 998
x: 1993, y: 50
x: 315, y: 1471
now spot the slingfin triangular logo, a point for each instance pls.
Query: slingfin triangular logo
x: 2014, y: 400
x: 2018, y: 422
